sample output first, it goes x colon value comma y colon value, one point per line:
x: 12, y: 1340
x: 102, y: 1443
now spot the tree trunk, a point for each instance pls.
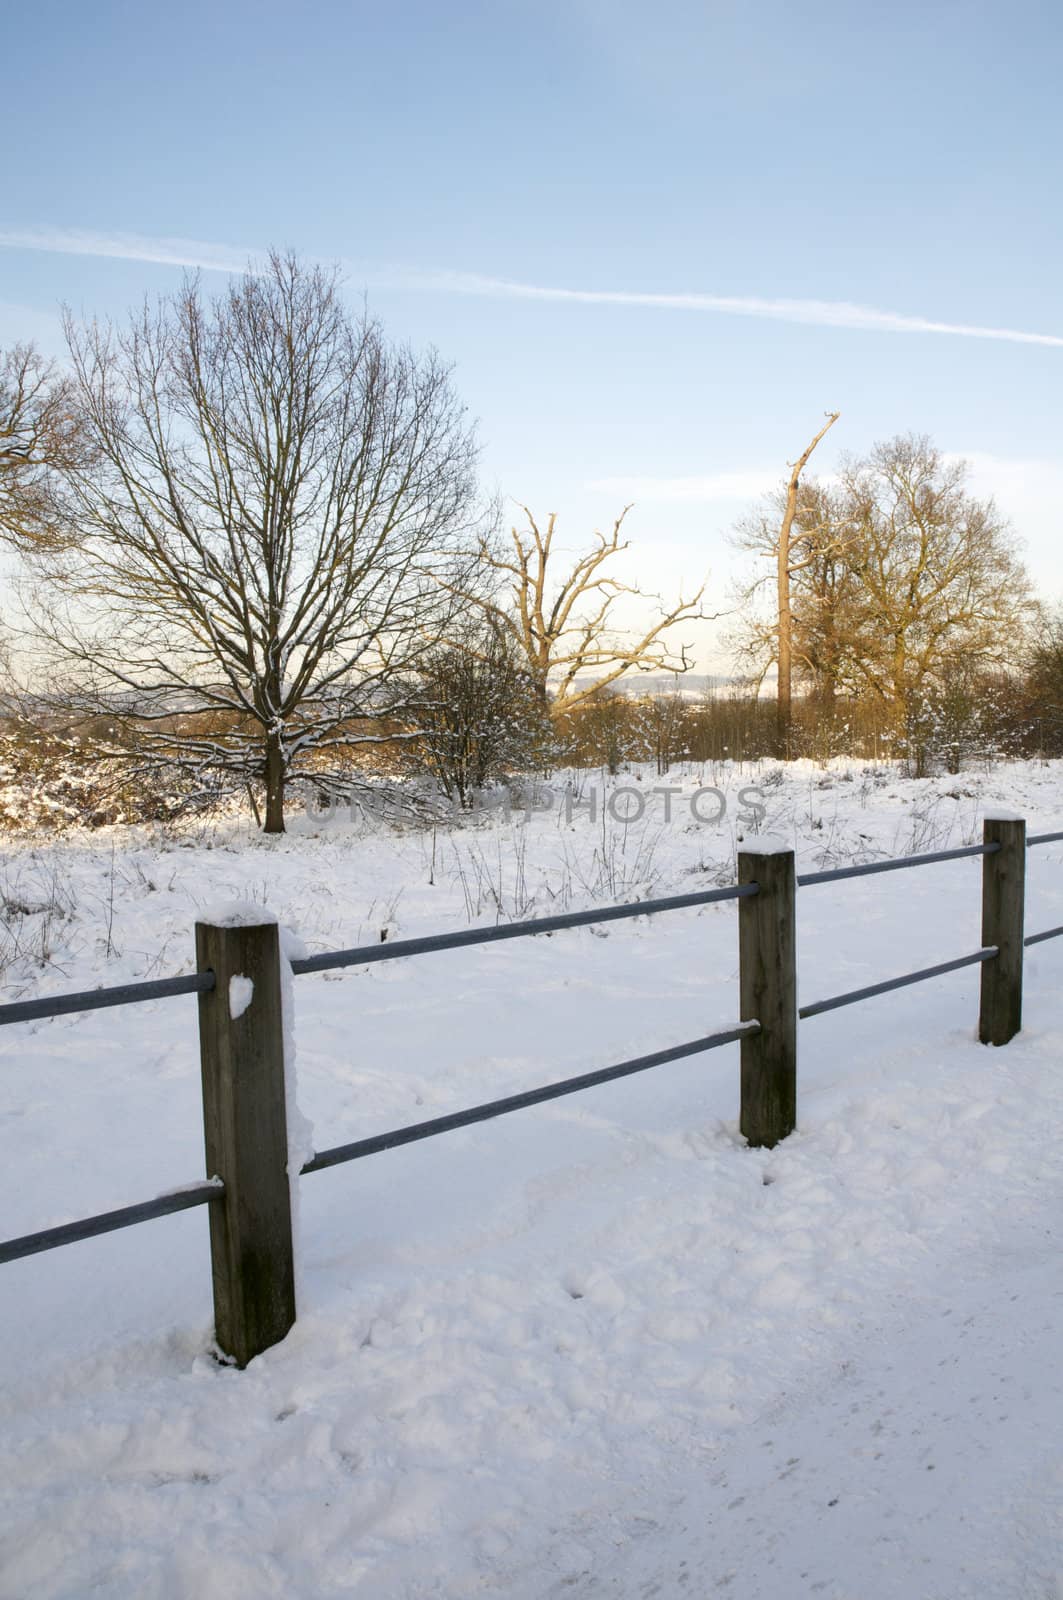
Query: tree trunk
x: 784, y: 701
x: 274, y: 784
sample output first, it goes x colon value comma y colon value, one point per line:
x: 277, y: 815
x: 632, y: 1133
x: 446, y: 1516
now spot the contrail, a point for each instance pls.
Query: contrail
x: 815, y: 313
x: 821, y: 313
x: 127, y: 247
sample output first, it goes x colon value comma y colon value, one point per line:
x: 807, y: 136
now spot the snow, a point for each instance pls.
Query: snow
x: 236, y: 914
x: 768, y: 844
x: 241, y: 993
x: 186, y: 1188
x: 870, y: 1454
x: 595, y: 1348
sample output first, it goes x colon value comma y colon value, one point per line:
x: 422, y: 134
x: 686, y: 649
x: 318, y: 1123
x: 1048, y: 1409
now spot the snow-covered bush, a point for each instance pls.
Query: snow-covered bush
x: 54, y: 779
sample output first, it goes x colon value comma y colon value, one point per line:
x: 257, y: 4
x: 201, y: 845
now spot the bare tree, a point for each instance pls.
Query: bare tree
x: 897, y: 575
x: 562, y: 618
x: 479, y: 716
x: 268, y: 533
x: 41, y: 432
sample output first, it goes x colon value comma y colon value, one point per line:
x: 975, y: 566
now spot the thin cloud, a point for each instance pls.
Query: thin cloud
x: 1028, y: 491
x: 1039, y: 475
x: 815, y: 313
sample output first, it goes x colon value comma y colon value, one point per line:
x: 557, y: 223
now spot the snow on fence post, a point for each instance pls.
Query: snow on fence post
x: 768, y: 994
x: 241, y: 1041
x: 1003, y: 887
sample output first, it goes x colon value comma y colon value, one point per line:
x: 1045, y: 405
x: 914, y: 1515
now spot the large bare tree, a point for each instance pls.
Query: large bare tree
x: 560, y: 613
x: 268, y: 533
x: 938, y: 570
x: 896, y: 573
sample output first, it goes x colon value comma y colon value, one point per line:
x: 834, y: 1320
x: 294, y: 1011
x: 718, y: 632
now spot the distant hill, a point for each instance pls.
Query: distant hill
x: 691, y: 685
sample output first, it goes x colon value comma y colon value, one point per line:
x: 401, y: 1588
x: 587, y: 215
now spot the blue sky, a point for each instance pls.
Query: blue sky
x: 793, y: 162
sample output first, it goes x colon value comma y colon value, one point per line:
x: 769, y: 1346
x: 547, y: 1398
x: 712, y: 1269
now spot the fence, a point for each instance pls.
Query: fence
x: 242, y: 1054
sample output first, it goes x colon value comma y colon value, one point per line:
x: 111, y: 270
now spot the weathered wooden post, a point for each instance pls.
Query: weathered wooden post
x: 768, y: 994
x: 241, y: 1039
x: 1003, y: 893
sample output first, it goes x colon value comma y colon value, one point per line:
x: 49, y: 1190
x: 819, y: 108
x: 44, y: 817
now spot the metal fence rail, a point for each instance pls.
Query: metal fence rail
x: 805, y: 880
x: 122, y: 994
x: 836, y: 1002
x: 369, y: 955
x: 193, y: 1194
x: 213, y: 1189
x: 364, y: 955
x: 519, y: 1102
x: 125, y: 994
x: 243, y: 1067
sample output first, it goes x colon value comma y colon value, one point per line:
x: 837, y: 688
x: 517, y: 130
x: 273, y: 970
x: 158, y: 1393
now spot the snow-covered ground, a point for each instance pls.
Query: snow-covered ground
x: 594, y: 1348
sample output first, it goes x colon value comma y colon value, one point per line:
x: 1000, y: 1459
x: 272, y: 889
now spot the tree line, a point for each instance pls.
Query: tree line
x: 254, y: 550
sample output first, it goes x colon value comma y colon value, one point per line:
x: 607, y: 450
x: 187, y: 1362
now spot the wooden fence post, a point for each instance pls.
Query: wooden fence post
x: 1003, y: 891
x: 768, y: 994
x: 241, y: 1041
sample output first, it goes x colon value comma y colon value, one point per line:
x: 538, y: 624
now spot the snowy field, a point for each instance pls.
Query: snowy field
x: 596, y: 1348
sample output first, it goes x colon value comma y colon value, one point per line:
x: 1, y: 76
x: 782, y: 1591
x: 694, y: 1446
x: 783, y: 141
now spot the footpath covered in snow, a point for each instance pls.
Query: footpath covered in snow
x: 928, y: 1462
x: 598, y: 1347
